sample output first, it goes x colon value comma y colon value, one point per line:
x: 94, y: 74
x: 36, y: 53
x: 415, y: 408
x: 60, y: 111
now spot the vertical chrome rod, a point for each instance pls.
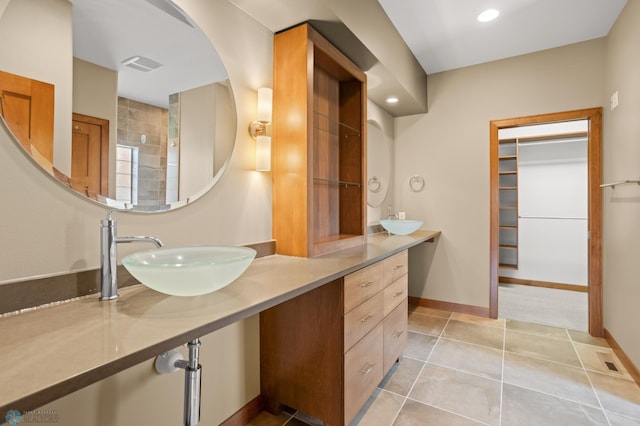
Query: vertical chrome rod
x: 192, y: 383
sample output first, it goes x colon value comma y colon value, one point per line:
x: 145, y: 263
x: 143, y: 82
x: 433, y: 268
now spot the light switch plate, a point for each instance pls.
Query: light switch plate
x: 614, y: 100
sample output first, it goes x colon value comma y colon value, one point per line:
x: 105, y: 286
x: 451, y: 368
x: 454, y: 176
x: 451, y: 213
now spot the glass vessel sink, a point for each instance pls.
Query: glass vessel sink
x: 400, y: 227
x: 189, y: 271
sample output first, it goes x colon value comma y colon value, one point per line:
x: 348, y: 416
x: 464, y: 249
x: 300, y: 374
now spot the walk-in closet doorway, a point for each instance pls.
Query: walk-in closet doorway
x: 546, y: 218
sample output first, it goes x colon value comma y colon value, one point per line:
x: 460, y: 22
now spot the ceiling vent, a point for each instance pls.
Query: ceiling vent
x: 141, y: 63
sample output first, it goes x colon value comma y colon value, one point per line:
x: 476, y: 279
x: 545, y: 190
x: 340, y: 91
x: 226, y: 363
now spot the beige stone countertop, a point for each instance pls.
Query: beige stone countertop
x: 48, y: 352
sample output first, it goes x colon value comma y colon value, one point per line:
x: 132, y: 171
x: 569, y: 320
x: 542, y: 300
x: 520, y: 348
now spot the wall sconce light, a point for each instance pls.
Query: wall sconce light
x: 258, y: 130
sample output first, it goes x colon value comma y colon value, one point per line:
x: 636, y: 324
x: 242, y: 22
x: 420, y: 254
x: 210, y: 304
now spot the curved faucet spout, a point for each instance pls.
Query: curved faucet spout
x: 108, y: 255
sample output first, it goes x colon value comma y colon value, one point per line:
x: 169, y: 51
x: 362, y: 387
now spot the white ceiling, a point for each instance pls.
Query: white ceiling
x: 441, y: 34
x: 444, y: 34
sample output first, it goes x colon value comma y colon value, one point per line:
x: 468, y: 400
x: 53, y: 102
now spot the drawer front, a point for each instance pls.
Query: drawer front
x: 362, y: 319
x: 395, y: 334
x: 362, y: 372
x: 395, y: 293
x: 395, y: 267
x: 361, y: 285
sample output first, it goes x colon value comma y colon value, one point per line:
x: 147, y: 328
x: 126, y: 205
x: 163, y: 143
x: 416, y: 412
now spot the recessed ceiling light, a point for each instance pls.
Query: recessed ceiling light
x: 488, y: 15
x: 392, y: 100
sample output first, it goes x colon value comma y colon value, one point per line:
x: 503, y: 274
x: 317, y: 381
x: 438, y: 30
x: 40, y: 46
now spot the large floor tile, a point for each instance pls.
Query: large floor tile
x: 427, y: 324
x: 489, y: 322
x: 429, y: 311
x: 586, y: 338
x: 539, y: 329
x: 419, y: 345
x: 549, y: 377
x: 417, y: 414
x: 538, y: 346
x: 467, y: 357
x: 381, y: 409
x: 474, y: 397
x: 618, y: 420
x: 525, y: 407
x: 617, y: 395
x: 597, y: 358
x: 474, y: 333
x: 402, y: 375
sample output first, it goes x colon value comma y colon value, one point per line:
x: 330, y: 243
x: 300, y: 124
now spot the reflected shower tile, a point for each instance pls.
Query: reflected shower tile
x: 414, y: 413
x: 402, y: 376
x: 473, y: 319
x: 473, y: 333
x: 602, y: 360
x: 617, y: 395
x: 542, y: 330
x: 426, y: 323
x: 419, y: 345
x: 542, y: 347
x: 486, y: 362
x: 380, y: 409
x: 549, y: 377
x: 475, y: 397
x: 525, y: 407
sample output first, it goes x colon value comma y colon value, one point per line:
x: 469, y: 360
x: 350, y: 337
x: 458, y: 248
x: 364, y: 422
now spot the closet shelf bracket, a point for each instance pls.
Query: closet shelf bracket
x: 624, y: 182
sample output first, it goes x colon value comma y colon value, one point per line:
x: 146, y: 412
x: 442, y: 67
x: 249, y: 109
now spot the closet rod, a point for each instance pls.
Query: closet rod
x: 624, y: 182
x: 552, y: 217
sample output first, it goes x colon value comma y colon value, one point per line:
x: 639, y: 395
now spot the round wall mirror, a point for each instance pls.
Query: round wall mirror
x: 378, y: 165
x: 123, y: 101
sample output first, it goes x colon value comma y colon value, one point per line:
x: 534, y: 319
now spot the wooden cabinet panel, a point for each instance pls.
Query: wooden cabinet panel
x: 363, y: 371
x: 395, y: 267
x: 395, y: 294
x: 319, y: 146
x: 395, y: 335
x: 361, y: 285
x: 362, y: 319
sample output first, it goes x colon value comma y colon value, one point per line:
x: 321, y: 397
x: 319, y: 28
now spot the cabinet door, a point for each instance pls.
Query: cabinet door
x: 395, y: 335
x: 362, y: 372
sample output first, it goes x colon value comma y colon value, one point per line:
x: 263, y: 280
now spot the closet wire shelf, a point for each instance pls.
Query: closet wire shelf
x: 624, y: 182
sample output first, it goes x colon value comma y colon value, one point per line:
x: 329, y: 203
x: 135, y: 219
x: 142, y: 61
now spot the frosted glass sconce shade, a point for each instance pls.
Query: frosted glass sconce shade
x: 263, y: 153
x: 265, y: 97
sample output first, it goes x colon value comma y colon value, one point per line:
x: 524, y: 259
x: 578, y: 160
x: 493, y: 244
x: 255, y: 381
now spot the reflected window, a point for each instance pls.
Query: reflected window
x: 127, y: 174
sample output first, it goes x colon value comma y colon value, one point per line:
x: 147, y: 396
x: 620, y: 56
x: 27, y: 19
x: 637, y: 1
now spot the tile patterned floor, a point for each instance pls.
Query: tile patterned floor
x: 464, y: 370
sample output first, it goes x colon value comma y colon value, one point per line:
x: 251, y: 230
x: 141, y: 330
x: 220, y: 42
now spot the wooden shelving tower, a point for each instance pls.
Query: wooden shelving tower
x: 319, y: 146
x: 508, y: 203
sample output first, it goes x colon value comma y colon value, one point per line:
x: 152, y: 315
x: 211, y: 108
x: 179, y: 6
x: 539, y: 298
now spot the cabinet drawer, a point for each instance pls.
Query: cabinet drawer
x: 395, y: 335
x: 395, y: 267
x: 361, y: 285
x: 395, y: 293
x: 362, y: 319
x: 362, y: 372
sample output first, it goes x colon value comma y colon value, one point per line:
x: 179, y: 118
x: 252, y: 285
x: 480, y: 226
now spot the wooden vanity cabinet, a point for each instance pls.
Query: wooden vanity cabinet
x: 319, y: 146
x: 325, y: 351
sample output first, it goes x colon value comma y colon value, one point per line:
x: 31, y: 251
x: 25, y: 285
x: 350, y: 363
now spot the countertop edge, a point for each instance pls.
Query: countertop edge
x: 71, y: 384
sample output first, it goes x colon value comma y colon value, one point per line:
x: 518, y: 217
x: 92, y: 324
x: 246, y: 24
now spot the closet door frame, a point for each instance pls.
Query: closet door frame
x: 594, y: 117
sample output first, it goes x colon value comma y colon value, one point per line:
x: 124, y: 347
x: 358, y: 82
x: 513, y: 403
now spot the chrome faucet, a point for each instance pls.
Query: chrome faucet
x: 390, y: 215
x: 108, y: 255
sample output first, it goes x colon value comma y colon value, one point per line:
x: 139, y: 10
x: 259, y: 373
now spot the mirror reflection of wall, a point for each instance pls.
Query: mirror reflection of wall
x: 380, y: 130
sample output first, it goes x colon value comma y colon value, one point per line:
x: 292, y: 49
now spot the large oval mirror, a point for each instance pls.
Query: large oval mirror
x: 124, y: 101
x: 378, y: 164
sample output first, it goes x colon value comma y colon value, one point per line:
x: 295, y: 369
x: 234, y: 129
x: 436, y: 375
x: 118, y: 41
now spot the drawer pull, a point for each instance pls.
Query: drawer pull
x: 398, y: 267
x: 366, y: 370
x: 367, y: 284
x: 398, y: 293
x: 397, y: 333
x: 367, y: 318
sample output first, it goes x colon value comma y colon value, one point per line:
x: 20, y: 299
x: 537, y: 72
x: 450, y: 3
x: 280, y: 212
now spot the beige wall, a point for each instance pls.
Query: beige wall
x: 449, y: 147
x: 33, y: 41
x: 46, y: 230
x: 621, y: 155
